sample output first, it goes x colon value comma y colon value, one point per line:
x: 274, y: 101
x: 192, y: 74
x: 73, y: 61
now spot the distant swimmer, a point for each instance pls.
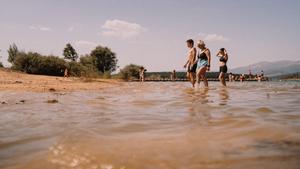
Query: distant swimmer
x: 191, y: 63
x: 203, y: 62
x: 223, y: 67
x: 242, y: 78
x: 231, y: 77
x: 142, y: 73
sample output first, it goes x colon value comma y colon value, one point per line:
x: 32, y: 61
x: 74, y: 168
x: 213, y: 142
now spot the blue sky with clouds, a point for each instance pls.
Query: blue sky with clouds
x: 153, y: 33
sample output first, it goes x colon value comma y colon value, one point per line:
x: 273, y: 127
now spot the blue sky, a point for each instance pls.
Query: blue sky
x: 153, y: 33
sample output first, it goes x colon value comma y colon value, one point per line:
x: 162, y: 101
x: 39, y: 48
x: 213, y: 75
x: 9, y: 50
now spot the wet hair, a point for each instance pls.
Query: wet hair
x: 190, y: 41
x: 222, y: 49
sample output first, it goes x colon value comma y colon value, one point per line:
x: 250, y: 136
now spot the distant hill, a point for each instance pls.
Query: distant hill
x: 291, y: 76
x: 271, y: 68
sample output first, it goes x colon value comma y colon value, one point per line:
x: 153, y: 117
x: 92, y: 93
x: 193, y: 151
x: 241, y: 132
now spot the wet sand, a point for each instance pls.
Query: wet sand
x: 10, y: 80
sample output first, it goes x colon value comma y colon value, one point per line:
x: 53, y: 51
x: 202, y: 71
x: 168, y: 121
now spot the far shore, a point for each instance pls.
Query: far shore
x: 292, y: 79
x: 17, y: 81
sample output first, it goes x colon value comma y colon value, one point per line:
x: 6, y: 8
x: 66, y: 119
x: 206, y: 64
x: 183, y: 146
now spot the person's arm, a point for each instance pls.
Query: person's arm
x: 218, y: 54
x: 226, y: 54
x: 185, y: 65
x: 207, y: 52
x: 187, y: 62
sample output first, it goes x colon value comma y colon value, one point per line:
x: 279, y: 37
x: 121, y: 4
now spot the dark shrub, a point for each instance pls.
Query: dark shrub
x: 130, y: 72
x: 35, y: 63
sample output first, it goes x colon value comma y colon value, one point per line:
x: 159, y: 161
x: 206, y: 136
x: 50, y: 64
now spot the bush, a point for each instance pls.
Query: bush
x: 51, y: 65
x: 76, y: 69
x: 89, y: 62
x: 1, y: 65
x: 106, y: 75
x: 130, y: 72
x: 35, y: 63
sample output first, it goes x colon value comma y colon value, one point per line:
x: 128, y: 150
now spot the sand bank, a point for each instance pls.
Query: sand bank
x: 10, y: 80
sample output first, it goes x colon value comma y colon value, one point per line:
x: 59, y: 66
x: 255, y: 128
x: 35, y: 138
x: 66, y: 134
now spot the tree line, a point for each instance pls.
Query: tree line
x: 101, y: 60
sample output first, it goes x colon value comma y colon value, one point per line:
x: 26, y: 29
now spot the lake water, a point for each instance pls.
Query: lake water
x: 153, y: 126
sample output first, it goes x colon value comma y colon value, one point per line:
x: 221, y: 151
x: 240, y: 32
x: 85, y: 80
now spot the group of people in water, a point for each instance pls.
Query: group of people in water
x: 198, y: 63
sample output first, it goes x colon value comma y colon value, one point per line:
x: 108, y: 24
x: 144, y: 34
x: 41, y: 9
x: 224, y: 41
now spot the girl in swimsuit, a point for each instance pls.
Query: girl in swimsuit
x: 203, y: 63
x: 223, y: 67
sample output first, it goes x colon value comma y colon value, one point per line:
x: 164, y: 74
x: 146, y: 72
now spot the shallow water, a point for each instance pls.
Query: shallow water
x: 153, y: 126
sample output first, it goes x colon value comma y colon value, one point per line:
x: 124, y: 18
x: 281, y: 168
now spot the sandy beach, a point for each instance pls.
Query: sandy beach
x: 10, y: 80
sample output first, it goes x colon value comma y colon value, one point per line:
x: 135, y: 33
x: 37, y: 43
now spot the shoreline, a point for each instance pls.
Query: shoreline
x: 18, y: 81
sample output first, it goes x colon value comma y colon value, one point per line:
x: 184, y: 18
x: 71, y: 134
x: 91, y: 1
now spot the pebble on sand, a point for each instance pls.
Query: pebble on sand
x: 52, y: 90
x: 52, y: 101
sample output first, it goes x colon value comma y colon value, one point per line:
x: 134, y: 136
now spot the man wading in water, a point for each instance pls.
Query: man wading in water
x: 191, y: 64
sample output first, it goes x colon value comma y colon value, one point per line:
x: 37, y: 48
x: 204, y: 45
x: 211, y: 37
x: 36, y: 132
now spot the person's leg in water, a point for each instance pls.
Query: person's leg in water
x: 193, y: 78
x: 198, y: 77
x: 222, y: 78
x: 205, y: 79
x: 192, y: 75
x: 201, y: 75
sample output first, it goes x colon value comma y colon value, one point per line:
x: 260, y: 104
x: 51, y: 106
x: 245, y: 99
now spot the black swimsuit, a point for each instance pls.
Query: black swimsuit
x: 223, y: 68
x: 192, y: 68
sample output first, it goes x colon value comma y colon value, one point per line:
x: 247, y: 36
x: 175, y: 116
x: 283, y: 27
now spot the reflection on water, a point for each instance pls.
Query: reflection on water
x: 153, y: 125
x: 224, y: 96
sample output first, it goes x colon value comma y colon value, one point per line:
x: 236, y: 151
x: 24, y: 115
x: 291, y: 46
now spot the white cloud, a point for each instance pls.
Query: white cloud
x: 40, y: 28
x: 121, y: 29
x: 213, y: 37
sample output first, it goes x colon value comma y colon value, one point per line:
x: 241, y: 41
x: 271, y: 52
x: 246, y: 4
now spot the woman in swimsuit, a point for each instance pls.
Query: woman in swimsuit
x: 223, y: 67
x: 203, y: 62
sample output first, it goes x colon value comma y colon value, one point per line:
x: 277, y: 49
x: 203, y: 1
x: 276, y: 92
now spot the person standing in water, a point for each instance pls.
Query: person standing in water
x: 173, y: 75
x: 142, y: 73
x: 66, y: 74
x: 223, y: 67
x: 191, y: 63
x: 231, y: 77
x: 203, y: 63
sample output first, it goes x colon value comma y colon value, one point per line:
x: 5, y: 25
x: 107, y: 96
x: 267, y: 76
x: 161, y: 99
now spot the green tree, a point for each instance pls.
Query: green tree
x: 12, y: 53
x: 89, y: 62
x: 70, y: 53
x: 105, y: 59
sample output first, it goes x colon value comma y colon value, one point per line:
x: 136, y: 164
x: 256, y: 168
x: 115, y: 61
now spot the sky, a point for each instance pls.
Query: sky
x: 153, y: 33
